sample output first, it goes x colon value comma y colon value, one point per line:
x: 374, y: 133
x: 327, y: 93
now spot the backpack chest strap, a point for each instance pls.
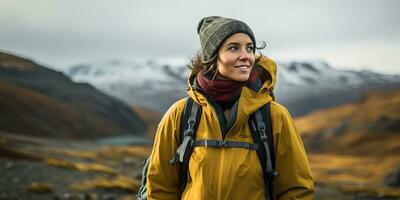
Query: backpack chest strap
x: 224, y: 144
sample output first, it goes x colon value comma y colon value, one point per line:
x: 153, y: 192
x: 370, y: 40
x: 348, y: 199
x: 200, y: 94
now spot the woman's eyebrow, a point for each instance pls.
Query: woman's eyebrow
x: 236, y: 43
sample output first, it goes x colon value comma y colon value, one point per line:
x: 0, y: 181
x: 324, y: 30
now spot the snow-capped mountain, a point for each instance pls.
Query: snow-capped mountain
x: 153, y: 84
x: 320, y: 74
x: 139, y: 74
x: 302, y: 86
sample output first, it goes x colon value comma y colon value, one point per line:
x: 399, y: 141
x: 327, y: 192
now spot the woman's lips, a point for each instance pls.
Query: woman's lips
x: 243, y: 68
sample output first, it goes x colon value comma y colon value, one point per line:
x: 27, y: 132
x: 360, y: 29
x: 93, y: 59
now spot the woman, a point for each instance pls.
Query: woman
x: 224, y: 73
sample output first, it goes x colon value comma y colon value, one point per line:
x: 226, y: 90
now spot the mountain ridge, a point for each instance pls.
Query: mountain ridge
x: 157, y: 84
x: 31, y: 76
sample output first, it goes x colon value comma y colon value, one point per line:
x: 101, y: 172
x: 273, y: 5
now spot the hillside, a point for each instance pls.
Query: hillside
x: 355, y: 147
x: 151, y: 118
x: 28, y: 112
x: 366, y: 127
x: 36, y: 100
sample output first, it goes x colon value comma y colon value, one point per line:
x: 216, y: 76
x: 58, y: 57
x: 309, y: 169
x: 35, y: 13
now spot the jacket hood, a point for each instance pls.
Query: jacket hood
x: 252, y: 98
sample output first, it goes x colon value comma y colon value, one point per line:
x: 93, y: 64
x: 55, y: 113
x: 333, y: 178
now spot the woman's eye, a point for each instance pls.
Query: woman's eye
x: 233, y: 48
x: 250, y: 48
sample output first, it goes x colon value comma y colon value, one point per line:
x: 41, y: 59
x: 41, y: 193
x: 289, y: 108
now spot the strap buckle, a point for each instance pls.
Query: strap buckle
x: 263, y: 138
x: 261, y: 126
x: 190, y: 129
x: 223, y: 143
x: 191, y: 121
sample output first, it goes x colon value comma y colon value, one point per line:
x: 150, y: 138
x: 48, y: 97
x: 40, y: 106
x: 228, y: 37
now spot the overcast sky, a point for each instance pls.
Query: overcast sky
x: 350, y: 34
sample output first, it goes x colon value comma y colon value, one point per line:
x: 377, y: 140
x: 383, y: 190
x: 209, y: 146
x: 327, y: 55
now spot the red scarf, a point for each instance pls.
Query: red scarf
x: 225, y: 90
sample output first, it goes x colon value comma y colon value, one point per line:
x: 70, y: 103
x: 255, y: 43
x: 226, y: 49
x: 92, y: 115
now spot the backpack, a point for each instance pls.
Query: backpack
x: 261, y: 131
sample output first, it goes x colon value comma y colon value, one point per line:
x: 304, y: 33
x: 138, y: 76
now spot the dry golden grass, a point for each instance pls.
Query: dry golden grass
x: 374, y: 191
x: 40, y: 188
x: 107, y: 152
x: 140, y: 152
x: 80, y: 166
x: 120, y: 182
x: 355, y: 174
x: 90, y: 155
x: 81, y: 154
x: 360, y: 170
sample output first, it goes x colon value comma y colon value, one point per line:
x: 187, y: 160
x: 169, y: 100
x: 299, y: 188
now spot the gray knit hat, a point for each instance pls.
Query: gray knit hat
x: 214, y: 30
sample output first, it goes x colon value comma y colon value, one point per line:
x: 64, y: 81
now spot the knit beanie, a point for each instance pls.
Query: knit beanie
x: 214, y: 30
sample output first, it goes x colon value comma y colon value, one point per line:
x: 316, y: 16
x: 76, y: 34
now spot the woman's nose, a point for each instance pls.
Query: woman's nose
x: 244, y: 54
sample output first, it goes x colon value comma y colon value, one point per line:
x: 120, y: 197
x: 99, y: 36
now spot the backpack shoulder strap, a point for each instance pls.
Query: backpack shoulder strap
x: 191, y: 112
x: 189, y: 124
x: 261, y: 127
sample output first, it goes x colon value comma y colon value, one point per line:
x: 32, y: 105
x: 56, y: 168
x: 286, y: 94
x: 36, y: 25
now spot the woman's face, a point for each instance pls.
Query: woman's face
x: 236, y: 58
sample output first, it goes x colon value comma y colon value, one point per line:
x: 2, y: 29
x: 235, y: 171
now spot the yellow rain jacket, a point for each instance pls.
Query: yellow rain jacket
x: 230, y: 173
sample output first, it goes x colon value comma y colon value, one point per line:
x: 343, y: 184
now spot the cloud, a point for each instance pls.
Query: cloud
x: 66, y: 31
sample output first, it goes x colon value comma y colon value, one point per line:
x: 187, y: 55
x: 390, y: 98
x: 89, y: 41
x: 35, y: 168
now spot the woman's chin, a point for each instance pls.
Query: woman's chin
x: 241, y: 77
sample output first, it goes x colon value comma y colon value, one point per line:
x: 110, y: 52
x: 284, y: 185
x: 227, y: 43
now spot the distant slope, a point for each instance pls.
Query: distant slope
x: 81, y: 101
x: 151, y: 118
x: 28, y: 112
x: 370, y: 126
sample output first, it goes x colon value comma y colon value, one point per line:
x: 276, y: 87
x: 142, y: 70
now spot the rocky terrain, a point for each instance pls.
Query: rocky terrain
x: 38, y: 168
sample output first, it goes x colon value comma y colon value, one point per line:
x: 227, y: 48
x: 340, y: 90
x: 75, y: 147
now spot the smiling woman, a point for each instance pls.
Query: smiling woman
x: 229, y: 139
